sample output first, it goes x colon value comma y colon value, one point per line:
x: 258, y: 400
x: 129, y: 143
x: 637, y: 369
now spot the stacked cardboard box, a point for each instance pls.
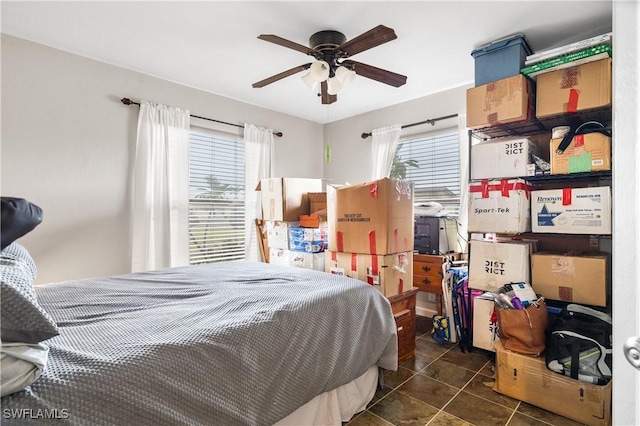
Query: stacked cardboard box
x: 371, y: 233
x: 284, y: 202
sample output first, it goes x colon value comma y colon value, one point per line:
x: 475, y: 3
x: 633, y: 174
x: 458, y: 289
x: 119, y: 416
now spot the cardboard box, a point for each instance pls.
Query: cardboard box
x: 286, y: 198
x: 507, y: 157
x: 500, y: 206
x: 574, y: 89
x: 509, y: 100
x: 492, y: 265
x: 277, y: 234
x: 572, y: 210
x: 586, y: 153
x: 391, y: 274
x: 313, y: 220
x: 317, y: 201
x: 309, y: 240
x: 290, y: 258
x: 570, y: 278
x: 372, y: 217
x: 528, y: 379
x: 485, y: 324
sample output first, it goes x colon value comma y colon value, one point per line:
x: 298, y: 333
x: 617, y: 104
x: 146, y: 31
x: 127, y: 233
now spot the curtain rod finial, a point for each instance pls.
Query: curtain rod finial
x: 126, y: 101
x: 365, y: 135
x: 278, y: 134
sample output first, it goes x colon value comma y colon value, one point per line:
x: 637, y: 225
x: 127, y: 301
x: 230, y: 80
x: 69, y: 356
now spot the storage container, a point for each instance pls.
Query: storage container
x: 500, y: 59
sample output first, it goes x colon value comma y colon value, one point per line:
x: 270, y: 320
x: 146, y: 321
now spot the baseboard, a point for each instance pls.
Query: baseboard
x: 425, y: 312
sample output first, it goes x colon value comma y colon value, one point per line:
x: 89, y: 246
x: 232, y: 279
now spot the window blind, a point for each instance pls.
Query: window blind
x: 216, y: 197
x: 436, y: 171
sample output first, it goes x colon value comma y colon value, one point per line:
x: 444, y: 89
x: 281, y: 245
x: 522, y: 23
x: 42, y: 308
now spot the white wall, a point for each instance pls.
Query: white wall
x: 68, y: 145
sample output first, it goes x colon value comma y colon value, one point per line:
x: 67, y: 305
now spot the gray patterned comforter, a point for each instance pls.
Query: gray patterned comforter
x: 223, y: 344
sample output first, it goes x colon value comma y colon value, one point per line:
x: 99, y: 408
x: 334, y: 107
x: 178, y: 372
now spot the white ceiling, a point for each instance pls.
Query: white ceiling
x: 213, y: 46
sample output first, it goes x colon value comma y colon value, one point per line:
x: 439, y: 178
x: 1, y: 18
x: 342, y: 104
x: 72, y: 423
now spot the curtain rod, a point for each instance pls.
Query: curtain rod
x: 128, y: 101
x: 431, y: 121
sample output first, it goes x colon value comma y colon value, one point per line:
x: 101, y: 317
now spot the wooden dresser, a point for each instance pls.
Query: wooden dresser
x: 428, y: 274
x: 403, y: 306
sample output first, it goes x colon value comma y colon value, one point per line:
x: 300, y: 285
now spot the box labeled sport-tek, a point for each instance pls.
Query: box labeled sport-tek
x: 372, y: 217
x: 500, y: 206
x: 572, y: 210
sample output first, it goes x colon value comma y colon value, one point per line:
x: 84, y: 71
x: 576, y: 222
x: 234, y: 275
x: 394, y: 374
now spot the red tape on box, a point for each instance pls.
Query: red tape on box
x: 395, y: 240
x: 566, y: 196
x: 578, y: 140
x: 334, y: 256
x: 340, y: 240
x: 354, y: 262
x: 504, y: 187
x: 372, y: 242
x: 373, y: 190
x: 572, y: 103
x: 374, y: 265
x: 400, y: 286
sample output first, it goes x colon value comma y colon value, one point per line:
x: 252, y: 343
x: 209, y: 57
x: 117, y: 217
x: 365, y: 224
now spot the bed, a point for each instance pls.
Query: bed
x: 232, y: 343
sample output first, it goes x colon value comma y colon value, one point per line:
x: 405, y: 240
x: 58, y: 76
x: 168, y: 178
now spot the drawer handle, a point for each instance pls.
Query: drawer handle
x: 426, y: 281
x: 426, y: 268
x: 400, y: 328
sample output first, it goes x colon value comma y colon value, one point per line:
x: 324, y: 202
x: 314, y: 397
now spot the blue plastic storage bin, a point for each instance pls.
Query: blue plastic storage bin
x: 500, y: 59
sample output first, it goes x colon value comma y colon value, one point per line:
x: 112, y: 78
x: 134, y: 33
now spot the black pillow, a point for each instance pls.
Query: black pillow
x: 19, y: 216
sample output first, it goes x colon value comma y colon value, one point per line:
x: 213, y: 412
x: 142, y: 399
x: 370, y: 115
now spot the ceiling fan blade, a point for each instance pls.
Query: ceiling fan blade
x: 372, y: 38
x: 281, y: 75
x: 326, y: 97
x: 377, y: 74
x: 287, y: 43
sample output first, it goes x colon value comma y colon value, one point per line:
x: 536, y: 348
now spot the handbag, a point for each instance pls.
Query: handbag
x: 524, y: 330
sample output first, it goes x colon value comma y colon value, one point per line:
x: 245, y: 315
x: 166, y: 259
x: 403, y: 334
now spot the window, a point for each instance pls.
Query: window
x: 216, y: 197
x: 432, y: 162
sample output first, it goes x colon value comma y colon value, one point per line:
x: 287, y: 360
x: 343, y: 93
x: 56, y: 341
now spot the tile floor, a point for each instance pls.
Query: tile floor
x: 444, y: 386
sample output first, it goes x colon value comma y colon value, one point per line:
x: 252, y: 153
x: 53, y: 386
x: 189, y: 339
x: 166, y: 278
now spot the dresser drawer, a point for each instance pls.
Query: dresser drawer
x: 427, y: 273
x: 406, y: 327
x: 403, y: 301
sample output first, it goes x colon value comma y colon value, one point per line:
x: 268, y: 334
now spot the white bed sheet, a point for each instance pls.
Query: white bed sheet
x: 338, y: 405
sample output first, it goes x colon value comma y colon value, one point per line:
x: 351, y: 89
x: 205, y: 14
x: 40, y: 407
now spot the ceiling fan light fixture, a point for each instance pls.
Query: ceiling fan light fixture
x: 319, y: 71
x: 345, y: 75
x: 334, y: 85
x: 309, y: 80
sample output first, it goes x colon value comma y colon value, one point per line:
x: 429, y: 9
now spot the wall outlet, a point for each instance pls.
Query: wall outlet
x: 431, y: 297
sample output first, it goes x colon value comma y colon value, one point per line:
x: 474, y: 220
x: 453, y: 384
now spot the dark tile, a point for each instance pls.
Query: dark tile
x: 427, y: 347
x: 488, y: 370
x: 475, y: 360
x: 478, y: 411
x: 428, y: 390
x: 394, y: 379
x: 381, y: 392
x: 423, y: 325
x: 367, y: 419
x: 520, y: 419
x: 448, y: 373
x: 401, y: 409
x: 445, y: 419
x: 482, y: 386
x: 418, y: 362
x: 545, y: 416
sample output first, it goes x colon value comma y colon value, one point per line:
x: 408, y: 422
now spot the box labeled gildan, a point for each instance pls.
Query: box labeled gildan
x: 528, y: 379
x: 506, y: 157
x: 570, y: 277
x: 504, y: 101
x: 500, y: 206
x: 390, y: 274
x: 572, y: 210
x: 286, y: 198
x: 372, y: 217
x: 586, y: 153
x: 574, y: 89
x: 492, y: 265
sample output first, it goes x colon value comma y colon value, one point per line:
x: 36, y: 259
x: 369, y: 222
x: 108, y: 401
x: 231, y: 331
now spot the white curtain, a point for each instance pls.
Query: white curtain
x: 383, y: 149
x: 463, y: 216
x: 160, y: 217
x: 258, y: 151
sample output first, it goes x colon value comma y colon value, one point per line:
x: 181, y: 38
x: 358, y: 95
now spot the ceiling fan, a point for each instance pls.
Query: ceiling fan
x: 332, y: 69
